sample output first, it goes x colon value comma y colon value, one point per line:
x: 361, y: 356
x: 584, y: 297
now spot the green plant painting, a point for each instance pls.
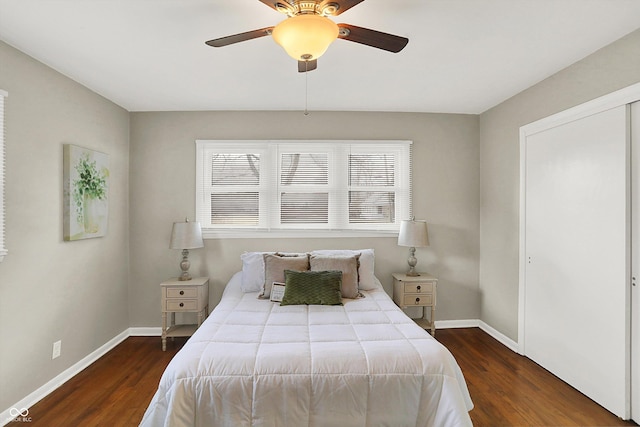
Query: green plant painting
x: 86, y: 184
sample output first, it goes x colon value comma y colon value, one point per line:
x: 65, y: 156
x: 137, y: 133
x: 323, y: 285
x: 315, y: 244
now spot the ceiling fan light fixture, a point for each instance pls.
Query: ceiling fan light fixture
x: 305, y: 37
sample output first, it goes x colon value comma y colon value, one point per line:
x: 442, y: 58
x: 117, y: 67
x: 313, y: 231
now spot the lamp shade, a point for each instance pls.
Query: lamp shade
x: 305, y: 37
x: 413, y: 233
x: 186, y: 235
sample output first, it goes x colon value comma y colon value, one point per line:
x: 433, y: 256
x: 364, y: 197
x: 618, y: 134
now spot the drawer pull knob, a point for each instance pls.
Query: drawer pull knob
x: 418, y: 288
x: 181, y: 292
x: 181, y: 304
x: 417, y: 300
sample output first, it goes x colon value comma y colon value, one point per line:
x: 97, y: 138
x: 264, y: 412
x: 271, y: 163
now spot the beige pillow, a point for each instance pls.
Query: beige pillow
x: 366, y: 276
x: 274, y: 267
x: 347, y: 264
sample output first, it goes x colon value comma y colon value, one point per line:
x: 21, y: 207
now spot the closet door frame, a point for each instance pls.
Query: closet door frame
x: 621, y: 97
x: 635, y: 261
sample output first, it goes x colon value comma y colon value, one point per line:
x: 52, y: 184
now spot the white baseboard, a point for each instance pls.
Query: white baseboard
x: 22, y: 407
x: 453, y: 324
x: 503, y: 339
x: 145, y: 332
x: 475, y: 323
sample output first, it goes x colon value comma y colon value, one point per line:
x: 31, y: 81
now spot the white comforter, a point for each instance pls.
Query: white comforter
x: 254, y: 363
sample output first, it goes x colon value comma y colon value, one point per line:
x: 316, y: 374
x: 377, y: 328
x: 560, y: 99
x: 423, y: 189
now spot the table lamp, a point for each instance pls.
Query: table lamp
x: 186, y: 235
x: 413, y: 233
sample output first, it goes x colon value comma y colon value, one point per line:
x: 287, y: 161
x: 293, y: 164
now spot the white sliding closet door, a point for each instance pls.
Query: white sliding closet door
x: 577, y: 247
x: 635, y: 267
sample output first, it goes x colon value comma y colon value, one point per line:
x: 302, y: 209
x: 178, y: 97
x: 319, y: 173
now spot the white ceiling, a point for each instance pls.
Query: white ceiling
x: 463, y: 56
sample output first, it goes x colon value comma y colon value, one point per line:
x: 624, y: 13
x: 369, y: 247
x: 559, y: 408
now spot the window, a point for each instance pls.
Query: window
x: 3, y: 248
x: 267, y: 188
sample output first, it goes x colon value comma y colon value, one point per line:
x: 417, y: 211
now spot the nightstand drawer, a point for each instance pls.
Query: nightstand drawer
x: 416, y: 288
x: 182, y: 293
x: 182, y: 305
x: 418, y: 300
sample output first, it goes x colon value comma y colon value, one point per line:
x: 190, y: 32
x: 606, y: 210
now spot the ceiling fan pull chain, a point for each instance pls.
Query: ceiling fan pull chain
x: 306, y: 88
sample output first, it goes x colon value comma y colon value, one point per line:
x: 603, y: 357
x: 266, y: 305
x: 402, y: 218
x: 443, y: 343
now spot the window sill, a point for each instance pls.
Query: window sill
x: 294, y: 234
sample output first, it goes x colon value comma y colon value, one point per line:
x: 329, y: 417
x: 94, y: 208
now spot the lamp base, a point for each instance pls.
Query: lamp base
x: 184, y: 266
x: 412, y: 261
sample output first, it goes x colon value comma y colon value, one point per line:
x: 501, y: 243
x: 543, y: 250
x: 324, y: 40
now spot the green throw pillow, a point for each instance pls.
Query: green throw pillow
x: 312, y: 288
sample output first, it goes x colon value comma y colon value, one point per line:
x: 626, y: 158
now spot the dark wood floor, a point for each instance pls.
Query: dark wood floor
x: 507, y: 389
x: 114, y: 391
x: 510, y: 390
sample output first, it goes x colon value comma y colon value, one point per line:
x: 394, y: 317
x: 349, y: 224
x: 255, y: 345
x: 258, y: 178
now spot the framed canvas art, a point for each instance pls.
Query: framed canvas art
x: 86, y: 189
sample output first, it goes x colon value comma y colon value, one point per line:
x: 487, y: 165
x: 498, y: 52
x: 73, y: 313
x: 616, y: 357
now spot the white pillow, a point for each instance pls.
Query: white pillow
x: 252, y: 271
x: 366, y: 278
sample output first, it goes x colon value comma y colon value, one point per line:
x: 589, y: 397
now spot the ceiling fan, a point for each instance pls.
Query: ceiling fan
x: 307, y: 32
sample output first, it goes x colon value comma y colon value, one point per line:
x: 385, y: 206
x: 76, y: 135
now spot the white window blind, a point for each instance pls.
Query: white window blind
x: 3, y: 247
x: 304, y: 188
x: 235, y: 189
x: 269, y: 186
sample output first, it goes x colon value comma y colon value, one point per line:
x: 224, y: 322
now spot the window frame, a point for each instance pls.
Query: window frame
x: 270, y: 188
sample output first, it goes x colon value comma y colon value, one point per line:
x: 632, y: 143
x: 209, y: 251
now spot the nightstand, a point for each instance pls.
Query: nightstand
x: 189, y: 296
x: 418, y: 291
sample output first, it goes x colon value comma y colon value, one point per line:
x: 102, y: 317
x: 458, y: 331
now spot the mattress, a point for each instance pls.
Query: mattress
x: 255, y: 363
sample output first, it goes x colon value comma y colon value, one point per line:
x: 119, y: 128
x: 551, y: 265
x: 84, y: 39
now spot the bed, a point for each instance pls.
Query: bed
x: 255, y: 362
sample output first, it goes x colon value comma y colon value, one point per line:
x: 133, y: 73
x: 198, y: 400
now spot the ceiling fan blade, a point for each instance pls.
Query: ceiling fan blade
x: 236, y: 38
x: 372, y: 38
x: 273, y: 4
x: 304, y: 66
x: 343, y: 5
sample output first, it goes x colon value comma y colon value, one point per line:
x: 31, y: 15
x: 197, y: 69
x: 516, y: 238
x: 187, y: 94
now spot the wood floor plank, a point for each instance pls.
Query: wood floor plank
x: 507, y: 389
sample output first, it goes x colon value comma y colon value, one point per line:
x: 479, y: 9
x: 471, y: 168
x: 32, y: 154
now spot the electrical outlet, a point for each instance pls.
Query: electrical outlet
x: 57, y: 349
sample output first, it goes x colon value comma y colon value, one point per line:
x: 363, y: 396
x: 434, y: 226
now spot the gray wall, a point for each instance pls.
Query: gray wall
x: 609, y: 69
x: 466, y: 181
x: 445, y: 174
x: 49, y: 289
